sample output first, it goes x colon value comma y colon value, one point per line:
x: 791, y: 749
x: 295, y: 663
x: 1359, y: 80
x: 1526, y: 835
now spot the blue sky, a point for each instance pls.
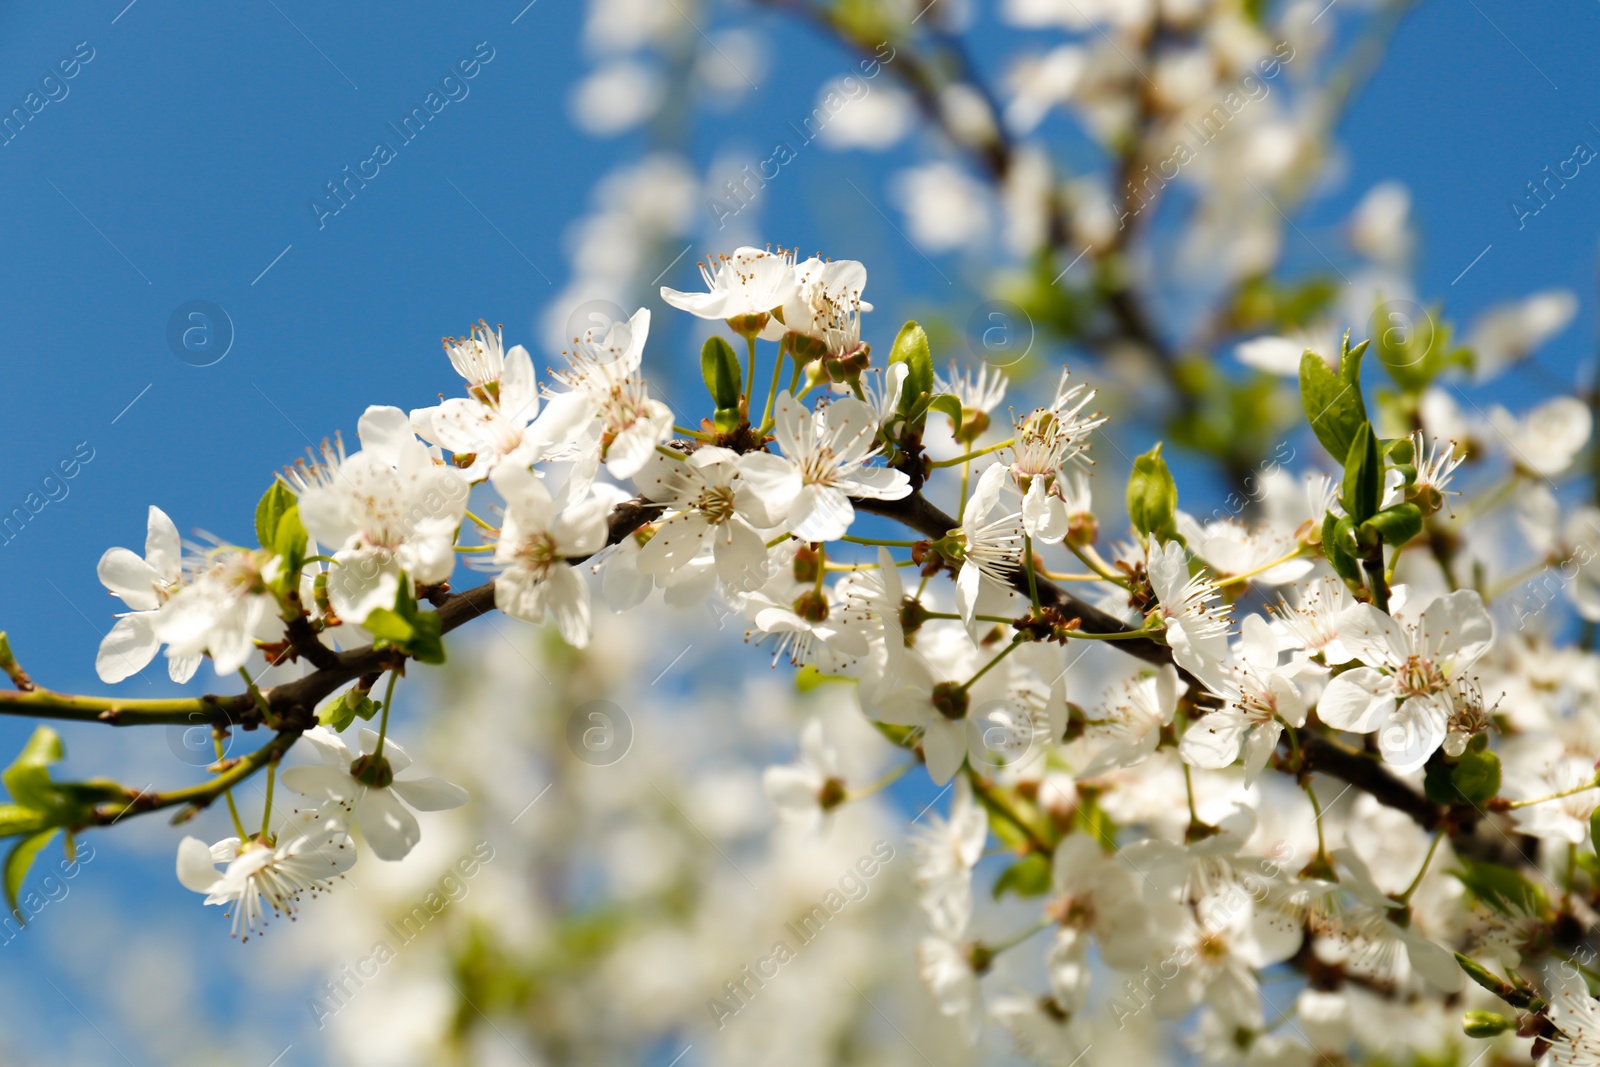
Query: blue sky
x: 182, y: 159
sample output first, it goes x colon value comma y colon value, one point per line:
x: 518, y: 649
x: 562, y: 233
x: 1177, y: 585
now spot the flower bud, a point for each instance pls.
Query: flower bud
x: 1485, y: 1024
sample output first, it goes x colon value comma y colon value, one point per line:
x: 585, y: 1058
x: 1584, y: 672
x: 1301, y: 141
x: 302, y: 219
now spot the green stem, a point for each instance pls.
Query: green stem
x: 772, y: 393
x: 1316, y: 809
x: 749, y: 373
x: 1033, y: 579
x: 1405, y: 898
x: 204, y: 793
x: 1092, y: 560
x: 255, y: 693
x: 121, y: 711
x: 1018, y: 938
x: 383, y: 723
x: 1553, y: 796
x: 970, y: 456
x: 266, y: 813
x: 233, y: 809
x: 875, y: 541
x: 1002, y: 654
x: 1296, y: 554
x: 881, y: 784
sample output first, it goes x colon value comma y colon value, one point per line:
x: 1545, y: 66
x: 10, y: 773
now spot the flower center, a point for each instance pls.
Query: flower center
x: 538, y: 553
x: 1419, y: 677
x: 716, y: 504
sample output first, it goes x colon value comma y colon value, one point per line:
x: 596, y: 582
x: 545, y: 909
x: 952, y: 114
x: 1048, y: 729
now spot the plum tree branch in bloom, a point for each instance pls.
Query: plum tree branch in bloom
x: 1251, y: 647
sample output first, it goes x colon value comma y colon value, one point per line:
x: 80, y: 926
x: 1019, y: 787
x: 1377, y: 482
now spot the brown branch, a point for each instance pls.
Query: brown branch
x: 921, y: 515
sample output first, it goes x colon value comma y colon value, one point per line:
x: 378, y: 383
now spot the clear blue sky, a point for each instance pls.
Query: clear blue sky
x: 182, y: 159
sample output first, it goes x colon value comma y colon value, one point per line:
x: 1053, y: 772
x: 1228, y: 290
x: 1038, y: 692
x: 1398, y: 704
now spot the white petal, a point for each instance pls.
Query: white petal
x: 130, y: 578
x: 384, y: 431
x: 195, y: 869
x: 430, y: 794
x: 820, y: 513
x: 387, y: 824
x: 1359, y: 700
x: 128, y: 648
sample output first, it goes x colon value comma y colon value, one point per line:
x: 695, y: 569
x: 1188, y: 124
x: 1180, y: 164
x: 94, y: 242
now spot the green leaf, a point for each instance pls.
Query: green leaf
x: 18, y: 863
x: 1332, y: 400
x: 342, y: 710
x: 1477, y: 775
x: 1153, y: 496
x: 719, y: 367
x: 1029, y: 877
x: 1501, y: 888
x: 289, y: 544
x: 269, y: 511
x: 28, y: 777
x: 427, y: 642
x: 15, y: 819
x: 911, y: 348
x: 419, y: 634
x: 1398, y: 524
x: 950, y: 405
x: 1338, y: 545
x: 1363, y: 476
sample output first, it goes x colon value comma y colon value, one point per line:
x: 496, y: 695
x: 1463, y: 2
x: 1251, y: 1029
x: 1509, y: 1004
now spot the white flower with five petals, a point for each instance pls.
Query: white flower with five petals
x: 389, y: 513
x: 144, y: 585
x: 382, y: 811
x: 535, y: 543
x: 1402, y: 689
x: 824, y: 464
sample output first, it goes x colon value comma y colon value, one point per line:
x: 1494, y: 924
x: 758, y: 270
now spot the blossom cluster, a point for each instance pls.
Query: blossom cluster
x: 1329, y: 639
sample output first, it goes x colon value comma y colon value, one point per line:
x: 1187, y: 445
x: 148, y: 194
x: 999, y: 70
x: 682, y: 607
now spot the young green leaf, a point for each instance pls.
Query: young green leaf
x: 289, y: 543
x: 1332, y: 401
x: 1398, y: 524
x: 1362, y: 491
x: 18, y: 862
x: 28, y: 777
x: 719, y: 367
x: 269, y: 511
x: 1501, y: 888
x: 1028, y: 877
x: 342, y: 710
x: 911, y: 348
